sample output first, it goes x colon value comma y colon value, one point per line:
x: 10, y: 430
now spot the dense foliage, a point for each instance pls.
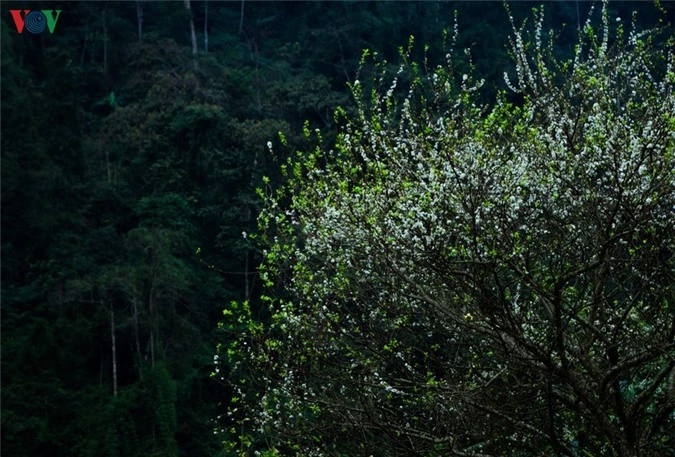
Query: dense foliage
x: 133, y: 139
x: 462, y: 279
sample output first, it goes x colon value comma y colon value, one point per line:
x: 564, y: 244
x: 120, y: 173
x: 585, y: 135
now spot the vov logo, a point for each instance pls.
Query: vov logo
x: 35, y: 21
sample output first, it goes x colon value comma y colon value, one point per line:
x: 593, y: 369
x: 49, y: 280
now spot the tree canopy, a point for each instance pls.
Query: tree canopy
x: 470, y: 279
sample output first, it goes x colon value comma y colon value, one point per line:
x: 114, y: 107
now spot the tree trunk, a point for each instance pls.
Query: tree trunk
x: 107, y: 164
x: 246, y: 266
x: 206, y: 25
x: 137, y: 339
x: 139, y: 20
x: 105, y: 40
x: 114, y: 350
x: 241, y: 18
x: 84, y: 49
x: 193, y: 34
x: 247, y: 287
x: 152, y: 348
x: 151, y: 309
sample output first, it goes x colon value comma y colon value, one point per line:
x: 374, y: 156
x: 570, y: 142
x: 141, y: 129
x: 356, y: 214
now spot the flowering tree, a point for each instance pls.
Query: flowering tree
x: 467, y: 280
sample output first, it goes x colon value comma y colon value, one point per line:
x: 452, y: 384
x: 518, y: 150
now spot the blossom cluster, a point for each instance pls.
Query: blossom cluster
x: 447, y: 268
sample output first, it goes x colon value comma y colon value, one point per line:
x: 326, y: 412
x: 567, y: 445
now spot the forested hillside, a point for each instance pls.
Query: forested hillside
x: 134, y: 137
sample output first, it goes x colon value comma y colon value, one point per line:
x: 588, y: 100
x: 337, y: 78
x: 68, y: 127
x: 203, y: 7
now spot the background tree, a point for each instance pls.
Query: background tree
x: 463, y: 279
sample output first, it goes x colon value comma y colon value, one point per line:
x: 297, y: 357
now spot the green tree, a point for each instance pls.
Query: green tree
x: 458, y: 279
